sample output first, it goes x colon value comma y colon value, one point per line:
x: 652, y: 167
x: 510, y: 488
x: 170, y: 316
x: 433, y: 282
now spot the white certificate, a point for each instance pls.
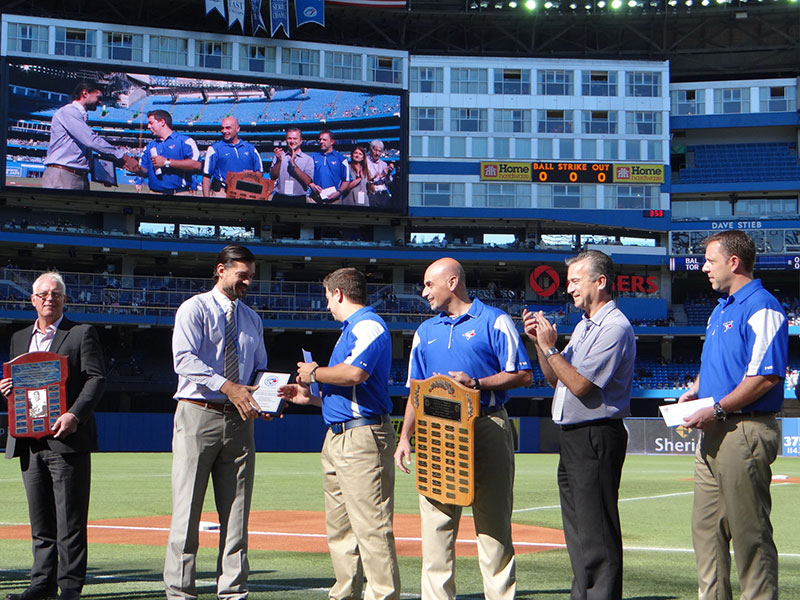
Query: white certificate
x: 327, y: 192
x: 674, y: 414
x: 266, y: 396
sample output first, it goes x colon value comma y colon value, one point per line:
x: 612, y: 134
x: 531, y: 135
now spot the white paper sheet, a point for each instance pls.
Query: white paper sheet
x: 674, y: 414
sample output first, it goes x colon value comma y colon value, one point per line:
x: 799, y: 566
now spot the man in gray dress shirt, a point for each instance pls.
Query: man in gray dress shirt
x: 592, y: 378
x: 292, y: 170
x: 72, y: 141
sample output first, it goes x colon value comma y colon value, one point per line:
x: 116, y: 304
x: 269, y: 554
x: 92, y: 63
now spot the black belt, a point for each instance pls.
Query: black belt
x: 73, y: 170
x: 590, y: 423
x: 337, y: 428
x: 222, y: 408
x: 490, y: 410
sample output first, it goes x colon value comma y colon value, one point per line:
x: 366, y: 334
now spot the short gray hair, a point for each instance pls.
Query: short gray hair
x: 55, y: 276
x: 599, y: 263
x: 376, y: 144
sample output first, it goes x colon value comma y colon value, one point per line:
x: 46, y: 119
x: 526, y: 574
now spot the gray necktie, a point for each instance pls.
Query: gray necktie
x: 231, y: 356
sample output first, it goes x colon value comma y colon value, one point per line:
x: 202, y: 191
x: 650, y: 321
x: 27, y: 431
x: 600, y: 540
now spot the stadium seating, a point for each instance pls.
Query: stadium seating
x: 720, y: 163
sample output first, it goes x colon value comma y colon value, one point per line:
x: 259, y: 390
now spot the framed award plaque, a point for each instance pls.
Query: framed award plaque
x: 38, y: 396
x: 445, y: 439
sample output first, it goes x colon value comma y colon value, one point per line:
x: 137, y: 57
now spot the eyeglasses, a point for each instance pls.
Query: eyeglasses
x: 54, y: 295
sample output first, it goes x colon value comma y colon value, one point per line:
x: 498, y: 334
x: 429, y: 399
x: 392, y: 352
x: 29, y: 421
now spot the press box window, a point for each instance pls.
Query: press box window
x: 123, y: 46
x: 27, y: 38
x: 512, y: 81
x: 258, y: 59
x: 75, y: 42
x: 213, y: 55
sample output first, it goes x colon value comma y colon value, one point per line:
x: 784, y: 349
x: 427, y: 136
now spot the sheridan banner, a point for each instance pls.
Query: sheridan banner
x: 506, y: 171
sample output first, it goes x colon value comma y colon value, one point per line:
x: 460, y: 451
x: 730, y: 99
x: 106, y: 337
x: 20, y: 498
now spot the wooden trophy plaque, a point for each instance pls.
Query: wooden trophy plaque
x: 445, y: 439
x: 39, y: 394
x: 247, y: 185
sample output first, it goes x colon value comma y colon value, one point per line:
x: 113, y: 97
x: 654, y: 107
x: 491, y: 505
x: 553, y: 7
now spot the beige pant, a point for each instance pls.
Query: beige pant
x: 358, y: 482
x: 732, y: 502
x: 207, y: 443
x: 491, y: 509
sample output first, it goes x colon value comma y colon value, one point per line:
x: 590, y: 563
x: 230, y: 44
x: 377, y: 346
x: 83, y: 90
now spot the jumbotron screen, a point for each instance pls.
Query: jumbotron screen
x: 186, y: 136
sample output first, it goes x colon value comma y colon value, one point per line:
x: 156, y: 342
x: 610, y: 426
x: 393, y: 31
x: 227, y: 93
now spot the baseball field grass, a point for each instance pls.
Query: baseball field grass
x: 130, y: 509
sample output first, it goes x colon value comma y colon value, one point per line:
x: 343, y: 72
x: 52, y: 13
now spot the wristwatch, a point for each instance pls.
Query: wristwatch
x: 311, y: 377
x: 719, y: 412
x: 476, y: 385
x: 167, y: 164
x: 552, y: 351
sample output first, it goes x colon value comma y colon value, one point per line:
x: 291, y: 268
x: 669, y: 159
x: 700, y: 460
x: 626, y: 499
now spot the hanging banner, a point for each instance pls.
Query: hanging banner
x: 256, y: 20
x: 309, y: 11
x: 217, y: 5
x: 236, y: 13
x: 279, y: 16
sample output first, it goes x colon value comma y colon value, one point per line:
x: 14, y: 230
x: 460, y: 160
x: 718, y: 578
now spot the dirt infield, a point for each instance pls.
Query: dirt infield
x: 296, y: 531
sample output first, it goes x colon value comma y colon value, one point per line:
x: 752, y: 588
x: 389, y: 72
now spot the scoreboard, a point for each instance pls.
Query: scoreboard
x: 783, y: 262
x: 564, y: 172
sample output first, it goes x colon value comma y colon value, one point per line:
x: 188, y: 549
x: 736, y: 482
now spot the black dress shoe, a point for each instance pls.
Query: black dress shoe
x: 32, y: 594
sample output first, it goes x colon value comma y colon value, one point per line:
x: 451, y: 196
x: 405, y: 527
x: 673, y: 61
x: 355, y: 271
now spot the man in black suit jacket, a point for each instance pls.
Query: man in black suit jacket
x: 56, y: 470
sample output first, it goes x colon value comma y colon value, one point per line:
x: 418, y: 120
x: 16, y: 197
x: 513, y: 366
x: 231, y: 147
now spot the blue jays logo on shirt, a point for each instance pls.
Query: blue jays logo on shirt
x: 271, y: 380
x: 470, y: 334
x: 727, y: 325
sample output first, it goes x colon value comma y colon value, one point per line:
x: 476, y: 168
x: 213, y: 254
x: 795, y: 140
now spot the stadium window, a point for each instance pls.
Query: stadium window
x: 588, y: 149
x: 168, y: 50
x: 555, y: 82
x: 765, y: 207
x: 458, y: 147
x: 436, y: 194
x: 427, y: 80
x: 679, y: 240
x: 427, y: 119
x: 599, y: 121
x: 555, y: 121
x: 255, y: 58
x: 566, y: 196
x: 213, y: 54
x: 502, y: 147
x: 544, y: 148
x: 415, y: 145
x: 501, y: 195
x: 688, y: 102
x: 643, y: 123
x: 343, y: 65
x: 468, y: 81
x: 512, y: 120
x: 611, y: 149
x: 297, y: 61
x: 27, y: 38
x: 468, y: 119
x: 633, y: 150
x: 632, y: 196
x: 480, y: 147
x: 75, y: 42
x: 123, y: 46
x: 435, y: 146
x: 384, y: 69
x: 512, y: 81
x: 731, y: 101
x: 599, y: 83
x: 644, y: 84
x: 655, y: 150
x: 566, y: 148
x: 778, y: 99
x: 792, y: 239
x: 522, y: 148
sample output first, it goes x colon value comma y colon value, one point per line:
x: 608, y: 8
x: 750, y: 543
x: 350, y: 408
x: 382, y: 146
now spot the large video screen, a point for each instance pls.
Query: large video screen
x: 155, y: 133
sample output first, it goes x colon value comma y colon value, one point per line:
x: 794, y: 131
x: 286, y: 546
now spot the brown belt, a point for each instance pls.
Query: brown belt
x: 78, y: 172
x: 223, y: 408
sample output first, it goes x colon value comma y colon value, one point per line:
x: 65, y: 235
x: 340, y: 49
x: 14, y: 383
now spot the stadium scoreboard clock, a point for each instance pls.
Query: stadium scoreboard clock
x: 653, y: 213
x: 566, y: 172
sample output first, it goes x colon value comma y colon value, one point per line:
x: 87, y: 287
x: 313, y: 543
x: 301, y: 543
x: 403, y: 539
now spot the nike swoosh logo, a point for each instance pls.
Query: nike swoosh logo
x: 431, y: 341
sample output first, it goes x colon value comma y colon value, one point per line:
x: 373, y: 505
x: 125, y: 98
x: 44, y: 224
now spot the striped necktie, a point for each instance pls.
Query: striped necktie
x: 231, y: 356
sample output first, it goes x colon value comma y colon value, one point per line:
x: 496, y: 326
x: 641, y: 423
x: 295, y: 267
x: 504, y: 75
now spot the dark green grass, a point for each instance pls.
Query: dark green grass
x: 655, y: 511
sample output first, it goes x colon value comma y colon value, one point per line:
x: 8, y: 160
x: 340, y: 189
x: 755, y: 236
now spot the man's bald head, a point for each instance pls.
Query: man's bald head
x: 445, y: 285
x: 230, y: 129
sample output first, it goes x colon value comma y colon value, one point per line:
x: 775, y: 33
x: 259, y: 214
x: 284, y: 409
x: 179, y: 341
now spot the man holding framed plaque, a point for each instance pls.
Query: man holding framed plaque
x: 479, y: 347
x: 56, y: 469
x: 357, y: 468
x: 217, y: 346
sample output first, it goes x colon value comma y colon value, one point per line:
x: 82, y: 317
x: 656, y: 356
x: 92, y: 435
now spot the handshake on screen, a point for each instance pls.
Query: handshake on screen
x: 130, y: 163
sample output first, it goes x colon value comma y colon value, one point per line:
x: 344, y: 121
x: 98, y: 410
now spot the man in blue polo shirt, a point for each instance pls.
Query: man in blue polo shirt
x: 169, y: 160
x: 742, y: 369
x: 478, y: 346
x: 357, y: 468
x: 229, y: 155
x: 330, y: 171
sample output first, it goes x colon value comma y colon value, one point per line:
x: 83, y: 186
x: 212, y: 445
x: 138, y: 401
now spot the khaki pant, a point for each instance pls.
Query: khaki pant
x: 358, y: 482
x: 206, y: 443
x: 732, y: 502
x: 491, y: 509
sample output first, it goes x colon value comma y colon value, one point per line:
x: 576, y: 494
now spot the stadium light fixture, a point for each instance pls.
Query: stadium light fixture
x: 601, y: 4
x: 616, y: 4
x: 688, y: 3
x: 530, y: 4
x: 512, y: 4
x: 473, y: 6
x: 631, y: 3
x: 548, y: 5
x: 484, y: 3
x: 498, y: 5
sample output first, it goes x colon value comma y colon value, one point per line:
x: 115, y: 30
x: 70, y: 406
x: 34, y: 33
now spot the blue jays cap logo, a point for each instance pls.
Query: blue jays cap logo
x: 727, y: 325
x: 470, y: 334
x: 310, y: 12
x: 272, y: 380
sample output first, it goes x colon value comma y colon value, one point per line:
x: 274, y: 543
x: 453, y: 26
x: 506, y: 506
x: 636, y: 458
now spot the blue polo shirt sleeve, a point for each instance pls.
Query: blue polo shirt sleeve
x: 368, y: 346
x: 416, y: 361
x: 145, y: 160
x: 511, y: 354
x: 258, y: 166
x: 189, y: 149
x: 606, y: 354
x: 210, y: 165
x: 769, y: 341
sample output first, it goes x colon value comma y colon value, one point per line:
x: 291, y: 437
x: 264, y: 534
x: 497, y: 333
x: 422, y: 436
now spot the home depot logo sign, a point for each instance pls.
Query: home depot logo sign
x: 545, y: 281
x: 506, y: 171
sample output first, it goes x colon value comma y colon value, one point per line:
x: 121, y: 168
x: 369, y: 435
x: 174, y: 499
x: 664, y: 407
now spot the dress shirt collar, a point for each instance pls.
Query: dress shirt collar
x: 222, y: 299
x: 82, y: 109
x: 600, y: 314
x: 42, y: 340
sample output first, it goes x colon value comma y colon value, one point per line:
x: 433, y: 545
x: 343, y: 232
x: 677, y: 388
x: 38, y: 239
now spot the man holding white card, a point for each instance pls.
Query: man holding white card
x: 742, y: 369
x: 592, y: 377
x: 357, y: 466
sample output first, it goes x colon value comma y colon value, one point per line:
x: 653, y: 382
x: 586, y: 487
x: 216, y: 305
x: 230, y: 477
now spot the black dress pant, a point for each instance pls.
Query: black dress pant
x: 57, y: 488
x: 589, y: 472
